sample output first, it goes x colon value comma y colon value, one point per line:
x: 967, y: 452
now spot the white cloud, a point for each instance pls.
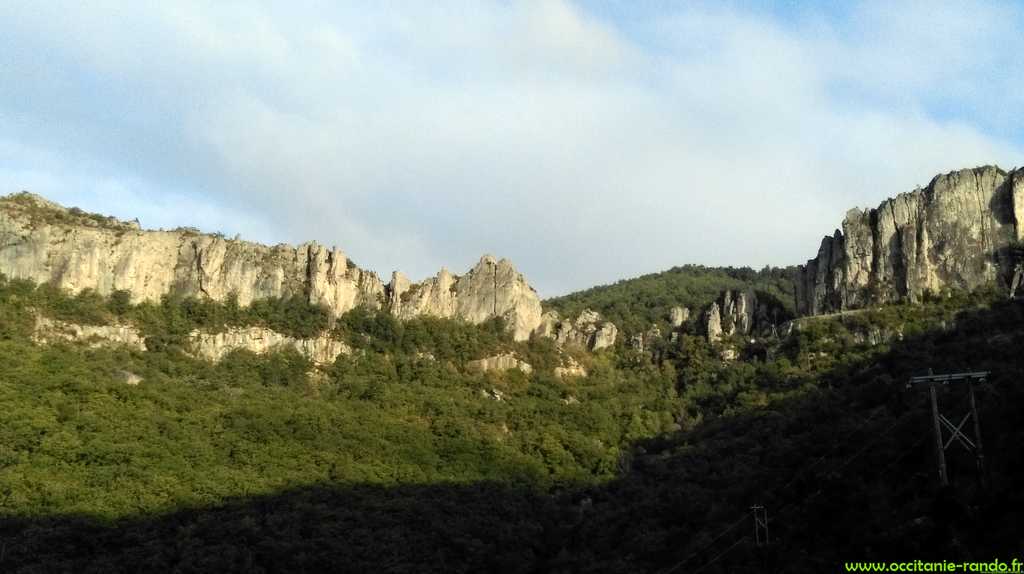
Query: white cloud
x: 425, y: 136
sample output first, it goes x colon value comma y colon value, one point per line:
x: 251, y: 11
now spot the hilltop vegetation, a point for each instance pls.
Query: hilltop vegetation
x: 39, y: 211
x: 635, y: 304
x: 398, y: 458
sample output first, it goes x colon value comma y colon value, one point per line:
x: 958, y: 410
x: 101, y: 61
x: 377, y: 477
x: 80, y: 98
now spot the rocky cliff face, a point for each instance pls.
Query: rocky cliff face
x: 491, y: 289
x: 955, y: 233
x: 677, y: 316
x: 47, y: 243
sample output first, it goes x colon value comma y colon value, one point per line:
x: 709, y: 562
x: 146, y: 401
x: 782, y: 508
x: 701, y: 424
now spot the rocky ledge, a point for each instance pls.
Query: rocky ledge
x: 499, y: 363
x: 210, y: 346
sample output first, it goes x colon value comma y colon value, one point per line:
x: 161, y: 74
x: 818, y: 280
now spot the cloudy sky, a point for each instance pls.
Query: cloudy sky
x: 586, y: 141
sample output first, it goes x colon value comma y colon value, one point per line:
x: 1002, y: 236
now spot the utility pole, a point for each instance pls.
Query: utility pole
x: 939, y: 421
x: 760, y: 525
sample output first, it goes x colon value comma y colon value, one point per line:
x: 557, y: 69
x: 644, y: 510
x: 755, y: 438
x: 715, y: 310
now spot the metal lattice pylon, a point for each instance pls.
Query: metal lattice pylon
x: 956, y: 431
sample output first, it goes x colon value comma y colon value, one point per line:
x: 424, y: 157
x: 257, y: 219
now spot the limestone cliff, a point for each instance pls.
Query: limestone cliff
x: 74, y: 250
x: 955, y: 233
x: 47, y: 243
x: 713, y: 320
x: 491, y: 289
x: 677, y: 316
x: 215, y: 346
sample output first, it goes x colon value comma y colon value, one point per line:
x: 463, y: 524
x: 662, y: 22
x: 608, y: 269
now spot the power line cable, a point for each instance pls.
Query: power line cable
x: 799, y: 473
x: 723, y: 553
x: 708, y: 545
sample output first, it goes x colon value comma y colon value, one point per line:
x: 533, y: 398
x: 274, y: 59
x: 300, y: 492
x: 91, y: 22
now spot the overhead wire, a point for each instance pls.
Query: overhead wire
x: 797, y: 475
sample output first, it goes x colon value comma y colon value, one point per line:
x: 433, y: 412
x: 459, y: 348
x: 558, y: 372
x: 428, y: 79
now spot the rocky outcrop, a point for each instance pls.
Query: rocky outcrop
x: 604, y: 337
x: 128, y: 377
x: 494, y: 395
x: 739, y: 313
x: 74, y: 250
x: 570, y: 368
x: 589, y: 330
x: 493, y: 288
x: 209, y: 346
x: 259, y: 340
x: 714, y: 323
x: 397, y: 287
x: 643, y: 342
x: 550, y: 325
x: 728, y: 353
x: 51, y: 331
x: 499, y: 363
x: 953, y: 234
x: 677, y: 316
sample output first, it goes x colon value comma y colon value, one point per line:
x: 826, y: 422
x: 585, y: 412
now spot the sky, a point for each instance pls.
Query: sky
x: 585, y: 141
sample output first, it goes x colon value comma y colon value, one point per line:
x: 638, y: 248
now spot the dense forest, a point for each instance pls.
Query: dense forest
x: 635, y: 304
x: 398, y: 458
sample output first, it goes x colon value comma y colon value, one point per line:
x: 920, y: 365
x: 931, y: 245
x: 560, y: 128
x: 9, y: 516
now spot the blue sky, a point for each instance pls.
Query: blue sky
x: 586, y: 141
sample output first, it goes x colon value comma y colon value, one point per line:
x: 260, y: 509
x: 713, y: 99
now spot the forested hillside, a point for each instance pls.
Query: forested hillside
x: 402, y: 409
x: 634, y: 304
x: 398, y: 458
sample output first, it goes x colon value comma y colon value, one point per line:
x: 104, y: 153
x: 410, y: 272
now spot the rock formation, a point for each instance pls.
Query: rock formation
x: 677, y: 316
x: 491, y: 289
x: 128, y: 377
x: 51, y: 330
x: 569, y: 368
x: 740, y: 312
x: 955, y: 233
x: 741, y: 308
x: 499, y: 363
x: 209, y: 346
x: 644, y: 342
x: 259, y: 340
x: 47, y: 243
x: 589, y: 330
x: 74, y: 250
x: 737, y: 313
x: 714, y: 323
